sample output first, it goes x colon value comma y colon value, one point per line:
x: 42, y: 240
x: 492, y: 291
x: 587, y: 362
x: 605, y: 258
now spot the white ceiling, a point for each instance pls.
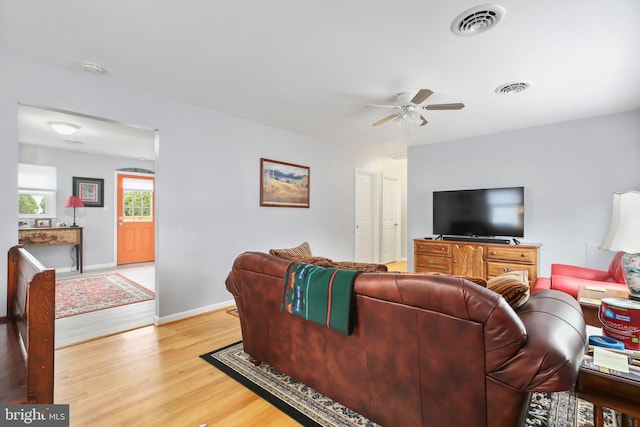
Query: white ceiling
x: 95, y: 135
x: 310, y: 67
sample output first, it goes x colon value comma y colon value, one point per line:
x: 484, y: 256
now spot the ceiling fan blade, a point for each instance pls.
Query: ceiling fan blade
x: 421, y: 96
x: 424, y: 121
x: 383, y: 106
x: 385, y: 120
x: 455, y: 106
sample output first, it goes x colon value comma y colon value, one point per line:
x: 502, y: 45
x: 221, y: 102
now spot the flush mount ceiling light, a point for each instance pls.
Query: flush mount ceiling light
x: 478, y: 20
x: 64, y: 128
x: 509, y: 88
x: 92, y: 68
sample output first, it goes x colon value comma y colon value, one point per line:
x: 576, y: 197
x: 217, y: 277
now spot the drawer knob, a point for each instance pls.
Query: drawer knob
x: 431, y: 262
x: 523, y: 255
x: 493, y: 252
x: 507, y: 270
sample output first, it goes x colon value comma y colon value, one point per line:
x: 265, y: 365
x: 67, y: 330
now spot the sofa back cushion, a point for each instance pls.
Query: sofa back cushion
x: 615, y: 268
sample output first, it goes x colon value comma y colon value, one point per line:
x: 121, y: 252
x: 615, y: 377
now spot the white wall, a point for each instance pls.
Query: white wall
x: 207, y: 170
x: 569, y: 170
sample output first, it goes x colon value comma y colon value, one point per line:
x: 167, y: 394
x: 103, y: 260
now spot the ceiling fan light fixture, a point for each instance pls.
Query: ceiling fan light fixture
x: 511, y: 88
x: 64, y: 128
x: 478, y: 20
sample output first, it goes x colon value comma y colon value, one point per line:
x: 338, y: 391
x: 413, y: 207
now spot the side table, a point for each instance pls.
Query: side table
x: 590, y: 300
x: 609, y: 391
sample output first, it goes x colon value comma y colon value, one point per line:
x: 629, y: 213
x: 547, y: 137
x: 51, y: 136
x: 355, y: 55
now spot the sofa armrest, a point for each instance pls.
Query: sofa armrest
x: 580, y: 272
x: 556, y: 340
x: 541, y: 284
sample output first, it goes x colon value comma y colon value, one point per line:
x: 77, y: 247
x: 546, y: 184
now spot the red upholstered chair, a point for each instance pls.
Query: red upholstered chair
x: 569, y: 278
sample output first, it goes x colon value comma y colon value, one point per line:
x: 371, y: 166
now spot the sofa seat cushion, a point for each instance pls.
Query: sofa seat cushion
x: 513, y: 286
x: 571, y: 285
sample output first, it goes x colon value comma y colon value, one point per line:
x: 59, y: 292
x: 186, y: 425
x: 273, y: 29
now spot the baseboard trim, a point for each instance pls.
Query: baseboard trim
x: 86, y: 268
x: 157, y: 320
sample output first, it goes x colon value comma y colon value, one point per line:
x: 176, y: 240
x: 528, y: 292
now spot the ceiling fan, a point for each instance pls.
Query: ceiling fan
x: 409, y: 107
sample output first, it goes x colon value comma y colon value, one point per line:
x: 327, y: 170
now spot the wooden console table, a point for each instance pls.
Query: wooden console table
x: 53, y: 236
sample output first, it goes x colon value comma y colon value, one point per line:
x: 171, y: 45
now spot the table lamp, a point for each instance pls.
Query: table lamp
x: 624, y: 235
x: 74, y: 202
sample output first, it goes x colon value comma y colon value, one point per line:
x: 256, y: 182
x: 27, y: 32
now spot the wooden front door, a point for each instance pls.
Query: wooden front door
x: 136, y: 218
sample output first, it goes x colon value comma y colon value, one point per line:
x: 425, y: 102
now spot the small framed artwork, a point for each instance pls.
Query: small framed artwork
x: 284, y: 184
x: 43, y: 222
x: 90, y: 191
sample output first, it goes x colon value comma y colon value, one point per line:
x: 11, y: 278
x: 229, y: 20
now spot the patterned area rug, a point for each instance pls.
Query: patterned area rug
x: 84, y: 294
x: 311, y: 408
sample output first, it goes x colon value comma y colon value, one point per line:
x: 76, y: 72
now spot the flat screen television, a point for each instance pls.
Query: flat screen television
x: 485, y: 212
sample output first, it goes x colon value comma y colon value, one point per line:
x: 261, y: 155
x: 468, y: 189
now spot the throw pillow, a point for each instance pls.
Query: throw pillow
x: 513, y: 286
x: 302, y: 250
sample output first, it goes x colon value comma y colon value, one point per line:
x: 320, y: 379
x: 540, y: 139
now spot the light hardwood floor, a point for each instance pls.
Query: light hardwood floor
x: 74, y: 329
x: 152, y: 376
x: 400, y: 266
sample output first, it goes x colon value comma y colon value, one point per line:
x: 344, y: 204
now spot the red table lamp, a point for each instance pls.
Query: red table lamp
x: 74, y: 202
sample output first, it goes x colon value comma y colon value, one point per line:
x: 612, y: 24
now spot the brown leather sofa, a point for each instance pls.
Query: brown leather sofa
x: 425, y: 350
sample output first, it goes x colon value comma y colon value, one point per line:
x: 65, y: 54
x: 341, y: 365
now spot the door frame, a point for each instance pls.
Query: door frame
x: 115, y: 210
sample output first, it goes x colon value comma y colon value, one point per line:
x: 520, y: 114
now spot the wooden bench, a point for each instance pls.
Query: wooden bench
x: 27, y: 332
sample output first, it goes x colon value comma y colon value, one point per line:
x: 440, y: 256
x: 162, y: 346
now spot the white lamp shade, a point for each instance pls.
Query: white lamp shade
x: 624, y: 231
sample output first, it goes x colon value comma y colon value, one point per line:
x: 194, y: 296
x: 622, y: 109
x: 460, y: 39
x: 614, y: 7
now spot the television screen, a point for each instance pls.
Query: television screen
x: 483, y: 212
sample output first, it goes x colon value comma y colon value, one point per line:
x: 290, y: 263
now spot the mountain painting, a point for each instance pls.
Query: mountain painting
x: 283, y: 184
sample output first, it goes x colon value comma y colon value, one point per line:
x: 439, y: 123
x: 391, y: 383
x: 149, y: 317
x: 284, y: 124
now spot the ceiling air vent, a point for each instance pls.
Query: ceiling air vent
x: 509, y: 88
x: 478, y: 20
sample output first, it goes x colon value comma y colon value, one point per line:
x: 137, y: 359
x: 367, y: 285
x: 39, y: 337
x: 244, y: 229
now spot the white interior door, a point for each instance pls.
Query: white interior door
x: 365, y: 217
x: 390, y: 219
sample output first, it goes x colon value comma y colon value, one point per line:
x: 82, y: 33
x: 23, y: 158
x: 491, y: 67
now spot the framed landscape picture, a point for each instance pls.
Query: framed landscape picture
x: 90, y: 191
x: 284, y: 184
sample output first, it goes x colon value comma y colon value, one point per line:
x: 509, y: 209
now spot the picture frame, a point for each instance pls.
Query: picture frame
x: 43, y: 223
x: 90, y: 191
x: 284, y: 184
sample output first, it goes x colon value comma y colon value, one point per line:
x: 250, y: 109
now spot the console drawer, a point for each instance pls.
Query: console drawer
x: 432, y: 248
x: 433, y: 264
x: 497, y: 268
x: 511, y: 254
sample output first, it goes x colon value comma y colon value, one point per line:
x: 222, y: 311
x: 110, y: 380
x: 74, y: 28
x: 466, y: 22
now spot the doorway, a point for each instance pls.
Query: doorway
x: 391, y: 214
x: 367, y: 202
x: 98, y: 147
x: 378, y: 210
x: 135, y: 218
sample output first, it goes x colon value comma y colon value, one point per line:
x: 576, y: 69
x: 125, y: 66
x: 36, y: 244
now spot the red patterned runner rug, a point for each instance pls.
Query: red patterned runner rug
x: 85, y: 294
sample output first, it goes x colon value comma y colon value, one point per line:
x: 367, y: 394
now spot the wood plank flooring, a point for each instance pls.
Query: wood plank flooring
x: 83, y: 327
x: 152, y: 376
